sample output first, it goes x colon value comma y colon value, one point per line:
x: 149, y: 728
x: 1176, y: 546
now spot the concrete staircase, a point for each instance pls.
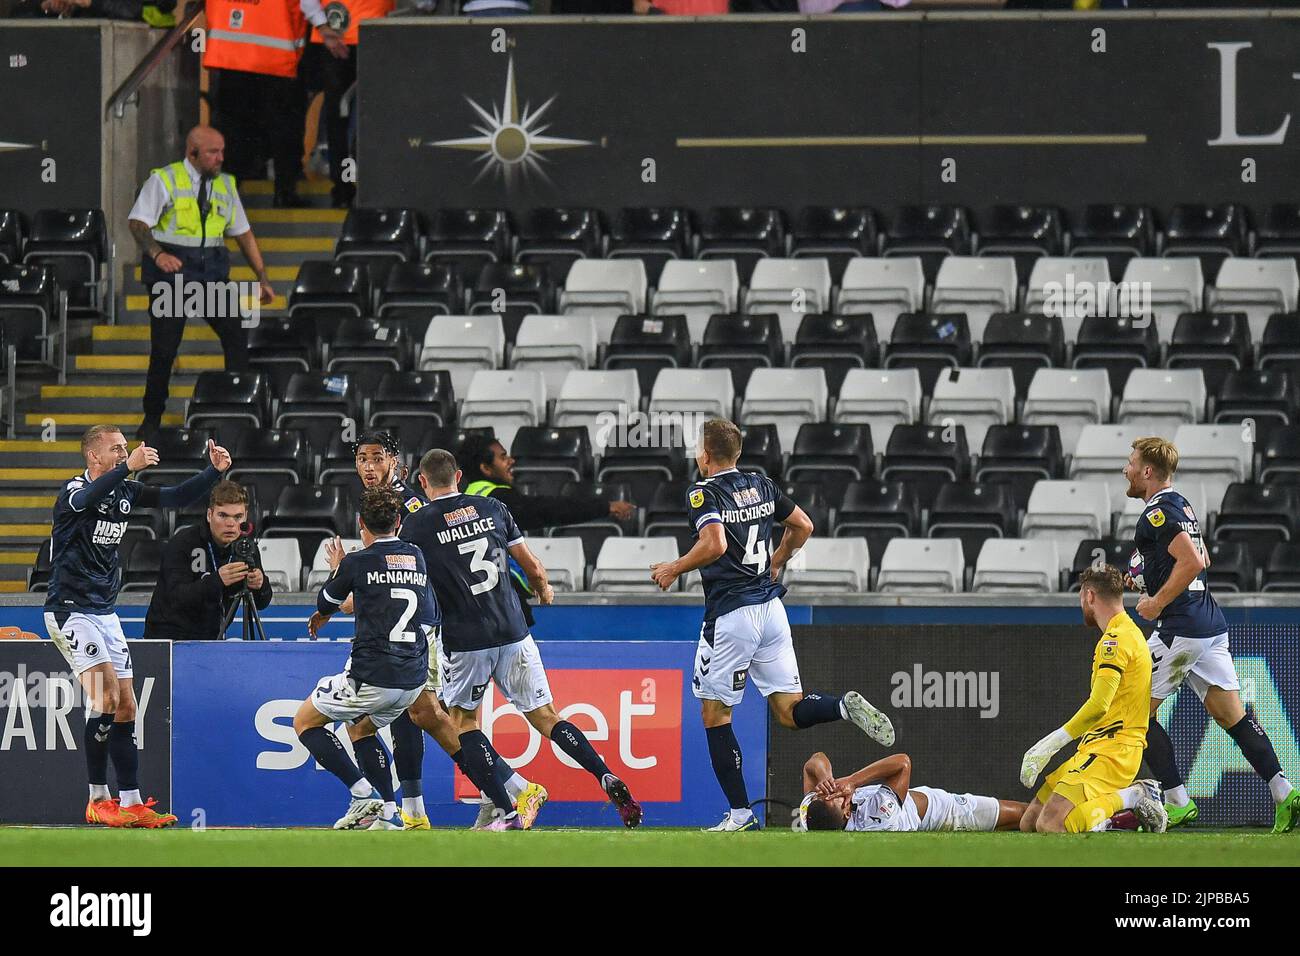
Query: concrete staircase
x: 106, y: 372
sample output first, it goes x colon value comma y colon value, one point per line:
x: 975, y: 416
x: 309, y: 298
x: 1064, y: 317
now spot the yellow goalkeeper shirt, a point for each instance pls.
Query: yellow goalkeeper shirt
x: 1119, y: 707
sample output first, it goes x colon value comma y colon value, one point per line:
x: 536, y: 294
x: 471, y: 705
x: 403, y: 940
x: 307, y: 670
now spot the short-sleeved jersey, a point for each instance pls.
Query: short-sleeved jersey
x: 1122, y: 648
x: 393, y: 606
x: 465, y: 540
x: 1194, y: 613
x: 85, y: 572
x: 878, y: 808
x: 745, y: 504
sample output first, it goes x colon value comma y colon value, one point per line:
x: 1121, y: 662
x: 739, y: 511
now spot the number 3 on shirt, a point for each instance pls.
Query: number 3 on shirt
x: 477, y: 563
x: 755, y: 554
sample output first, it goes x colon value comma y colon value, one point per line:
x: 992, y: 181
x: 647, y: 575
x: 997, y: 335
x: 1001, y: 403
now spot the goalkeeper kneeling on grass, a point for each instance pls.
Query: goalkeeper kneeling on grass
x: 1083, y: 793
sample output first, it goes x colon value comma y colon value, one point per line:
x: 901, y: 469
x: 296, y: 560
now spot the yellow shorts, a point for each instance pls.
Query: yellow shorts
x: 1089, y: 774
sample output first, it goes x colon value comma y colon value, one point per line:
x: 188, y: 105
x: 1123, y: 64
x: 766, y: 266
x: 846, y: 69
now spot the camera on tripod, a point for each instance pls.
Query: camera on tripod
x: 244, y: 549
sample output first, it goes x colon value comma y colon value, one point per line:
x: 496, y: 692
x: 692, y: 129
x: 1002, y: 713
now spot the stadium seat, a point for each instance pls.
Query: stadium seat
x: 974, y: 398
x: 1279, y: 459
x: 1258, y: 287
x: 463, y: 345
x: 653, y: 235
x: 927, y: 457
x: 790, y: 288
x: 1126, y: 521
x: 279, y: 346
x: 1020, y: 455
x: 623, y: 564
x: 556, y: 237
x: 379, y: 235
x: 882, y: 288
x: 1278, y: 235
x: 31, y: 311
x: 319, y: 571
x: 1257, y: 396
x: 74, y: 244
x: 227, y: 401
x: 760, y: 450
x: 464, y: 239
x: 141, y: 565
x: 811, y: 497
x: 1023, y: 342
x: 1279, y: 349
x: 1065, y: 511
x: 319, y: 403
x: 1259, y: 516
x: 598, y: 400
x: 282, y: 456
x: 281, y: 563
x: 1069, y: 399
x: 697, y: 290
x: 1096, y: 551
x: 835, y: 344
x: 972, y: 513
x: 1057, y: 287
x: 975, y: 287
x: 307, y: 514
x: 337, y: 464
x: 1209, y: 233
x: 13, y: 232
x: 506, y: 400
x: 929, y: 343
x: 413, y: 292
x: 646, y: 344
x: 366, y: 350
x: 38, y: 577
x: 922, y: 566
x: 422, y: 397
x: 829, y: 566
x: 1026, y: 233
x: 743, y: 234
x: 666, y: 515
x: 786, y: 398
x: 524, y: 287
x: 555, y: 345
x: 881, y: 399
x: 1282, y: 572
x: 1117, y: 345
x: 931, y: 232
x: 740, y: 344
x: 545, y: 449
x: 833, y: 454
x: 1176, y: 286
x: 181, y: 452
x: 834, y: 233
x: 1114, y: 230
x: 1215, y: 342
x: 606, y: 288
x: 1232, y: 569
x: 1017, y: 566
x: 878, y: 511
x: 1161, y: 399
x: 326, y: 292
x: 1101, y: 453
x: 707, y: 392
x: 565, y: 563
x: 643, y: 466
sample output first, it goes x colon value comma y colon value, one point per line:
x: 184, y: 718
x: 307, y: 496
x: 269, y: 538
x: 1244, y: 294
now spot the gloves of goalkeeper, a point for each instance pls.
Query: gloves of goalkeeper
x: 1037, y: 756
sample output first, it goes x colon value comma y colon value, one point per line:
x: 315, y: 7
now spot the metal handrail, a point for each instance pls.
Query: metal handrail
x: 131, y: 85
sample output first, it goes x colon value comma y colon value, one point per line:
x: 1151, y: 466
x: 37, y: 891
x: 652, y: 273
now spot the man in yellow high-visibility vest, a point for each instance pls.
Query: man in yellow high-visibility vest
x: 181, y: 220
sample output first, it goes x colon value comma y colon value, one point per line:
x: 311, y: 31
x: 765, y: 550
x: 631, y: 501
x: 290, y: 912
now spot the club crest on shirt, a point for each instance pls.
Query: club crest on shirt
x: 461, y: 515
x: 746, y: 497
x: 400, y: 562
x: 697, y: 497
x: 1157, y: 518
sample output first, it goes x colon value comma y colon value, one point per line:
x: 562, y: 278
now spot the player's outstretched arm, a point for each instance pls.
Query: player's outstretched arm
x: 1189, y: 562
x: 798, y: 529
x: 89, y: 495
x: 710, y: 545
x: 534, y: 570
x: 1104, y: 686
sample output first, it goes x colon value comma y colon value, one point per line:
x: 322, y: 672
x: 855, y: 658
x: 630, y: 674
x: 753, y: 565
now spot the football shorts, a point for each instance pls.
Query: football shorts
x: 343, y: 697
x: 516, y: 668
x: 85, y: 640
x: 950, y: 812
x: 1091, y: 773
x: 750, y: 642
x: 1203, y: 662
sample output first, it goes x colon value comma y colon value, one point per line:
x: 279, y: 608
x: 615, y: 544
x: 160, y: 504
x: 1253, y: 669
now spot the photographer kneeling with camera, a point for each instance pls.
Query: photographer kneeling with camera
x: 204, y: 569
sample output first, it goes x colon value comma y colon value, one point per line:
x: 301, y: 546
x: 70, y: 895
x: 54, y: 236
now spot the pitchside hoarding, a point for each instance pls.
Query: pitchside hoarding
x: 42, y: 705
x: 967, y: 703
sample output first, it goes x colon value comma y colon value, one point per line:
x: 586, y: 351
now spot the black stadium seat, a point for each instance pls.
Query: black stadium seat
x: 648, y: 343
x: 1211, y: 233
x: 74, y: 243
x: 742, y: 343
x: 666, y: 515
x: 1282, y: 572
x: 309, y: 514
x: 181, y: 451
x: 29, y: 310
x: 38, y: 577
x: 594, y: 533
x: 836, y: 234
x: 1279, y: 348
x: 1118, y: 345
x: 413, y: 292
x: 641, y: 468
x: 1116, y: 231
x: 1024, y: 343
x: 326, y: 292
x: 366, y: 350
x: 973, y: 512
x: 833, y: 454
x: 338, y: 463
x: 319, y: 403
x: 464, y: 239
x: 743, y: 233
x: 543, y: 449
x: 1279, y: 455
x: 927, y: 457
x: 279, y: 346
x: 932, y: 232
x: 387, y: 235
x: 1278, y: 235
x: 653, y: 234
x: 269, y: 459
x: 1231, y: 567
x: 1025, y: 233
x: 1020, y: 455
x: 1259, y: 516
x: 1262, y: 396
x: 811, y: 497
x: 929, y: 344
x: 835, y: 344
x: 141, y: 565
x: 228, y: 401
x: 556, y: 236
x: 13, y: 233
x: 520, y: 286
x: 426, y: 397
x: 878, y: 511
x: 1215, y: 342
x: 1113, y: 551
x: 760, y: 450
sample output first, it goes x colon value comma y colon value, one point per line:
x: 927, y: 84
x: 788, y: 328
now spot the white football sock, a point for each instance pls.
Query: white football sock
x: 362, y: 789
x: 130, y: 798
x: 99, y: 791
x: 413, y: 806
x: 1178, y: 796
x: 844, y: 711
x: 1101, y: 827
x: 740, y: 816
x: 1280, y: 787
x: 1131, y: 795
x: 516, y: 785
x: 390, y: 809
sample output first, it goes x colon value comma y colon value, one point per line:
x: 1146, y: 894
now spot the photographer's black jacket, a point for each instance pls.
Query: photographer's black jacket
x: 189, y: 605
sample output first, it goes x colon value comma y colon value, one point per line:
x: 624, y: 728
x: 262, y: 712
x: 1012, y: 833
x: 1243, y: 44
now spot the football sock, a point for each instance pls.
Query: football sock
x: 99, y: 791
x: 575, y: 743
x: 740, y: 816
x: 362, y: 789
x: 514, y: 784
x: 1131, y: 796
x: 458, y: 758
x: 815, y: 709
x: 1098, y: 810
x: 413, y: 806
x: 1177, y: 797
x: 724, y: 752
x: 480, y: 762
x: 130, y: 798
x: 1256, y: 747
x: 329, y: 753
x: 373, y: 761
x: 125, y: 755
x: 95, y: 739
x: 1160, y: 756
x: 1280, y: 787
x: 408, y: 754
x: 390, y: 810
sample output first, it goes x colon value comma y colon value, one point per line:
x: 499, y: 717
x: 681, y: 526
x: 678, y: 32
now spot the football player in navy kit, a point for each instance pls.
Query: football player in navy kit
x: 1190, y: 640
x: 90, y: 519
x: 746, y: 633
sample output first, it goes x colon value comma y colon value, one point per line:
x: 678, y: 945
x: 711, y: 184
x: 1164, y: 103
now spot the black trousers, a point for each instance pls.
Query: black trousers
x: 261, y: 116
x: 333, y: 77
x: 166, y: 329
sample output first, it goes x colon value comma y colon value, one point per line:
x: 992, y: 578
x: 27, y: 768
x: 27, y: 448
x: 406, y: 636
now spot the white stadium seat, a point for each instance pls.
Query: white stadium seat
x: 881, y: 398
x: 1258, y: 287
x: 784, y: 397
x: 922, y: 565
x: 1068, y: 398
x: 624, y: 563
x: 829, y: 565
x: 320, y: 567
x: 1051, y: 280
x: 1066, y: 512
x: 555, y: 345
x: 1215, y: 455
x: 1161, y: 399
x: 281, y: 563
x: 1101, y: 453
x: 1177, y: 286
x: 1017, y: 566
x: 506, y: 400
x: 977, y: 286
x: 791, y: 288
x: 975, y: 398
x: 702, y: 391
x: 1193, y: 491
x: 597, y: 400
x: 605, y: 287
x: 564, y: 560
x: 697, y: 289
x: 883, y: 287
x: 463, y: 344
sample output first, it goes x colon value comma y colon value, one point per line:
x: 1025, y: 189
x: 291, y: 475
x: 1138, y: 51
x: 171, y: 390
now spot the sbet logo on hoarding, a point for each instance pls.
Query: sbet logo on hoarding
x: 633, y: 719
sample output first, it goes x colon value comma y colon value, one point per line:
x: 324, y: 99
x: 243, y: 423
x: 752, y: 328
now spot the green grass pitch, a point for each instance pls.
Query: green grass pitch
x: 647, y: 847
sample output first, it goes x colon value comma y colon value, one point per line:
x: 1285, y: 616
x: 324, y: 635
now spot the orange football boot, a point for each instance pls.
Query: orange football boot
x: 108, y: 813
x: 144, y: 817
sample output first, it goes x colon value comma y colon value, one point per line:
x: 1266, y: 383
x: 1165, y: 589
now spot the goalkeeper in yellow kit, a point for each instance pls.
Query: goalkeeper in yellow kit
x: 1083, y: 793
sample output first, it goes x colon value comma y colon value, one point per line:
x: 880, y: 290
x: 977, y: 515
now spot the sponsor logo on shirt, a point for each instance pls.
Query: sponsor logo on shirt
x: 108, y: 532
x: 697, y: 497
x: 746, y: 497
x: 414, y: 504
x: 401, y: 562
x: 461, y: 515
x: 1157, y: 518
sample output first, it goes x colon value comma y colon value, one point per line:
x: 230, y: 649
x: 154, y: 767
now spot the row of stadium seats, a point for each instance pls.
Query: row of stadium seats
x: 824, y: 566
x: 71, y: 243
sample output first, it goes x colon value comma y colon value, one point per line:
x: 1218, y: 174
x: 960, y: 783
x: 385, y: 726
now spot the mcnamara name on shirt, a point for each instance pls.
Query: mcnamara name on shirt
x: 418, y: 578
x: 482, y: 526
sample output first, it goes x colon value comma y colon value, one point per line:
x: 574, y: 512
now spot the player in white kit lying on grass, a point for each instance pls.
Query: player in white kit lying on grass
x: 880, y: 797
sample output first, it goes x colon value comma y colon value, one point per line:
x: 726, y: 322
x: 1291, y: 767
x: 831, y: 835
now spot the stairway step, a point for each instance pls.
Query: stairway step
x: 313, y: 217
x: 135, y: 364
x: 34, y: 476
x: 51, y: 393
x: 140, y: 303
x: 11, y: 587
x: 23, y: 559
x: 86, y: 419
x: 14, y: 533
x: 305, y: 187
x: 280, y: 273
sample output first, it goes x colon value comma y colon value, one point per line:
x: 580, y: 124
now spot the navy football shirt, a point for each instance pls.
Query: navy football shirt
x: 1194, y: 613
x: 412, y: 495
x: 85, y: 571
x: 465, y: 540
x: 745, y: 504
x: 392, y: 604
